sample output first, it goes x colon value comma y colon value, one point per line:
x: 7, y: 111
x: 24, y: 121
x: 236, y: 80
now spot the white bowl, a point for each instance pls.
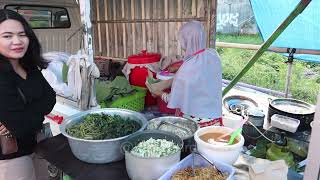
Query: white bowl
x: 225, y: 153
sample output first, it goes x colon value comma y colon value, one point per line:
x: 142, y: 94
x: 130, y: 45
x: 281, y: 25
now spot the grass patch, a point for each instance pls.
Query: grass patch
x: 243, y: 39
x: 270, y: 70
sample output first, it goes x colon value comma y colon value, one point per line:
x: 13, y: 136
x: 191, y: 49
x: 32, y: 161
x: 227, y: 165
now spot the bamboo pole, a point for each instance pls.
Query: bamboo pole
x: 99, y: 27
x: 202, y: 19
x: 148, y: 26
x: 107, y: 27
x: 208, y: 21
x: 213, y: 28
x: 194, y: 8
x: 273, y: 49
x: 298, y: 9
x: 115, y: 29
x: 124, y: 39
x: 166, y: 29
x: 179, y: 12
x: 155, y: 26
x: 143, y: 16
x: 133, y: 28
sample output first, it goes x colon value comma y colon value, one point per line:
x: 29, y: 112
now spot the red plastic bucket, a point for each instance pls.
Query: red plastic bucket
x: 138, y: 75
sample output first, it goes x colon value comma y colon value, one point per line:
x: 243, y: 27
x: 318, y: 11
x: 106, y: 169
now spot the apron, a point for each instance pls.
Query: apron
x: 202, y: 122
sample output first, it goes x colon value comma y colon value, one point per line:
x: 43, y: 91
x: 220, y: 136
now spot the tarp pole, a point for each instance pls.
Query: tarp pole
x: 298, y: 9
x: 289, y: 73
x: 273, y: 49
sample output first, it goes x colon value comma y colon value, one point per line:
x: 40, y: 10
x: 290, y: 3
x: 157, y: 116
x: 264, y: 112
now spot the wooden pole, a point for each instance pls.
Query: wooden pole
x: 298, y: 9
x: 99, y: 27
x: 85, y: 10
x: 208, y: 21
x: 213, y: 26
x: 107, y: 27
x: 273, y: 49
x: 115, y: 30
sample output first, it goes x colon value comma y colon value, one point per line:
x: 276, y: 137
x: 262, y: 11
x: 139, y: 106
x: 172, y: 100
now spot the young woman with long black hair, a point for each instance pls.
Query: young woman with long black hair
x: 25, y: 96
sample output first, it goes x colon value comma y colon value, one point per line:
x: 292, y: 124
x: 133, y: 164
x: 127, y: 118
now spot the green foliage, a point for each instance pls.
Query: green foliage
x: 234, y: 38
x: 270, y: 70
x: 260, y: 151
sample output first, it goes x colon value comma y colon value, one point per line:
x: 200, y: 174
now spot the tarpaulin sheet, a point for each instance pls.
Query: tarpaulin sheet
x: 302, y: 33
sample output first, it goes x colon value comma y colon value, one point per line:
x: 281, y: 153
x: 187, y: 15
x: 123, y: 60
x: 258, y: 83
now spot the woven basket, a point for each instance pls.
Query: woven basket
x: 134, y: 102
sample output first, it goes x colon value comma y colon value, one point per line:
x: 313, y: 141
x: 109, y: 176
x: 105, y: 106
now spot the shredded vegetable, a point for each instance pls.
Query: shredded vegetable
x: 152, y: 148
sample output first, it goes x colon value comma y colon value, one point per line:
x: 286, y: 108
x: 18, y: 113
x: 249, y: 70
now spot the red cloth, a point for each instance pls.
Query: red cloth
x: 202, y: 124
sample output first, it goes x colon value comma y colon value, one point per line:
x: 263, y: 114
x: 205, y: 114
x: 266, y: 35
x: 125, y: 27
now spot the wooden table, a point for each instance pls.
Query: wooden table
x: 56, y: 150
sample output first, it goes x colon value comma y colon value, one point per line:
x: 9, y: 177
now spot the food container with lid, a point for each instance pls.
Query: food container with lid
x: 285, y: 123
x: 137, y: 68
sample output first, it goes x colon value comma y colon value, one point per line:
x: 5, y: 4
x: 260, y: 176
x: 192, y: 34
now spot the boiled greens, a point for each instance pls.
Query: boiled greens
x: 103, y: 126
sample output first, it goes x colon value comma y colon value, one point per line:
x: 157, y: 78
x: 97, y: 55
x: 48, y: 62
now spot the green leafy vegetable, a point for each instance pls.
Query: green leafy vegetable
x: 260, y: 151
x: 151, y: 80
x: 102, y: 126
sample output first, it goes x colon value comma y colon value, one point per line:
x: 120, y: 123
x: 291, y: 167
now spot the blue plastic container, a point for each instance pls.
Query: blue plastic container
x: 199, y: 161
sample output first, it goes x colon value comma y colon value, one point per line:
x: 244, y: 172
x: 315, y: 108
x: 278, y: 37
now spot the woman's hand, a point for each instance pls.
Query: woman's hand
x: 3, y: 130
x: 157, y: 89
x: 154, y: 89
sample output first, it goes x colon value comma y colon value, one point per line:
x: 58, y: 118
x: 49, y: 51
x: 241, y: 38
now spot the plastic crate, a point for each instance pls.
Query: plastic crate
x: 134, y: 102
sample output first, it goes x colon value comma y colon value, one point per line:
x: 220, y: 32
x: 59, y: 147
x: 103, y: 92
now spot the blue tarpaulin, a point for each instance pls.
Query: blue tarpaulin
x: 302, y: 33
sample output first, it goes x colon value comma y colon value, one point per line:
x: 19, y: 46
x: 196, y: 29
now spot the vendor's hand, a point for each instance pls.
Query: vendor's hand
x: 3, y: 130
x: 173, y: 69
x: 162, y: 85
x: 154, y: 89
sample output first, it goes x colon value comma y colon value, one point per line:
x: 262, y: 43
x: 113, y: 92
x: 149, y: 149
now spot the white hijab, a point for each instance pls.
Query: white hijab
x: 197, y: 86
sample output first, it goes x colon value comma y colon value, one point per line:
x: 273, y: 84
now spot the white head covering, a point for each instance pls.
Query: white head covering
x: 197, y: 86
x: 192, y: 37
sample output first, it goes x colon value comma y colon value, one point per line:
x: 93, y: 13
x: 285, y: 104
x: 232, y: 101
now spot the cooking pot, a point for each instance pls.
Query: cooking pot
x: 292, y: 108
x: 256, y: 117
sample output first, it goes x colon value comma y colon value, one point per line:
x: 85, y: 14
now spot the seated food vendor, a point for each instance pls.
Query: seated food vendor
x: 196, y: 89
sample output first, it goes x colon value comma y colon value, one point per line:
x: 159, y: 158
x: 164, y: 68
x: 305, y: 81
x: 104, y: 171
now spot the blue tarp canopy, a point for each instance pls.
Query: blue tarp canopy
x: 302, y: 33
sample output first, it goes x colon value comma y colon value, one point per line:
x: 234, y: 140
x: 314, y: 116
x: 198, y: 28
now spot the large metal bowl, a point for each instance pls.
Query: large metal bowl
x: 188, y: 140
x: 189, y: 125
x: 99, y: 151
